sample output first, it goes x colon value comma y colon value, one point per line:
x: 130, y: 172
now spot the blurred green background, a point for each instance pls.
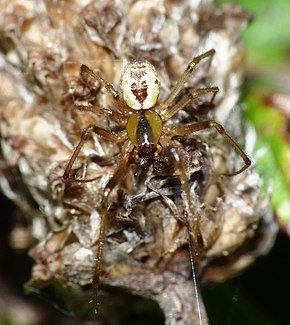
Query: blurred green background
x: 260, y: 295
x: 267, y: 95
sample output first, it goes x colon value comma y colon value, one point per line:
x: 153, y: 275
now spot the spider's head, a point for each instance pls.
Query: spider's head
x: 140, y: 85
x: 145, y: 155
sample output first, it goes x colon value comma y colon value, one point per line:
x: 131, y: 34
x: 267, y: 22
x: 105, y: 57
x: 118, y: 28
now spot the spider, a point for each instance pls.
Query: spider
x: 145, y: 134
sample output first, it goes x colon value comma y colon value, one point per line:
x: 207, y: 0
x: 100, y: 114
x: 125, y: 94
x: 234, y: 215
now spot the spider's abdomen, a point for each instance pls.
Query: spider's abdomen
x: 144, y: 128
x: 140, y: 85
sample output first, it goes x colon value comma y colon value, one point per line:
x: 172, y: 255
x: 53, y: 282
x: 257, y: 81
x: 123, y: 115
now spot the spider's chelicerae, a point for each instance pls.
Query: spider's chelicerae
x: 146, y: 133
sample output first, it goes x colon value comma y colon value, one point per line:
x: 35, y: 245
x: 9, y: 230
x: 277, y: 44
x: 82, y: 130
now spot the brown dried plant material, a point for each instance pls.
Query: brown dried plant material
x: 146, y: 252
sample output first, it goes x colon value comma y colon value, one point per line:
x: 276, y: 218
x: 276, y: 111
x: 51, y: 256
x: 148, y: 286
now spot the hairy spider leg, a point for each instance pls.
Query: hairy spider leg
x: 184, y: 78
x: 126, y: 150
x: 117, y: 138
x: 199, y: 126
x: 122, y: 107
x: 115, y: 116
x: 168, y: 113
x: 113, y: 182
x: 192, y: 218
x: 195, y: 239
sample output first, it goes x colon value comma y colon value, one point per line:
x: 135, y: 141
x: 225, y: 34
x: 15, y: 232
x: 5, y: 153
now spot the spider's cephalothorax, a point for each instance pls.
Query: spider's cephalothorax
x: 144, y: 129
x: 145, y: 133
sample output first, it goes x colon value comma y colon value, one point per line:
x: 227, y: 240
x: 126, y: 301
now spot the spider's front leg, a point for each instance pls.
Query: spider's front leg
x: 199, y: 126
x: 113, y: 182
x: 192, y: 219
x: 126, y: 150
x: 99, y: 131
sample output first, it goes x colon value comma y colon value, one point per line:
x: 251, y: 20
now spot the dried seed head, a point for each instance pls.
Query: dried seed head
x: 39, y: 126
x: 140, y: 85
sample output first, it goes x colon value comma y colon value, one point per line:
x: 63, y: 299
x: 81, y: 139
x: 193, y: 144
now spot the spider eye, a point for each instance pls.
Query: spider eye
x: 140, y: 85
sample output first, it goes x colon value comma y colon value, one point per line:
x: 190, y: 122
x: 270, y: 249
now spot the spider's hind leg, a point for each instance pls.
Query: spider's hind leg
x: 168, y: 113
x: 124, y: 109
x: 184, y: 78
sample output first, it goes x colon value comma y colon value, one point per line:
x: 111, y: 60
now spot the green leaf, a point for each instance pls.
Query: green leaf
x: 267, y: 37
x: 274, y: 163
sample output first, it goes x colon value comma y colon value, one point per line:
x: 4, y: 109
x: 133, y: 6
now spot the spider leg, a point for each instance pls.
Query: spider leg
x: 195, y: 127
x: 184, y: 78
x: 192, y: 218
x: 113, y: 182
x: 109, y: 87
x: 85, y: 133
x: 195, y: 238
x: 115, y: 116
x: 168, y: 113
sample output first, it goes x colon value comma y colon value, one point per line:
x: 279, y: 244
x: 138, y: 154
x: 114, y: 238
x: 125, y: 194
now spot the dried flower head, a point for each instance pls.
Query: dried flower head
x: 146, y: 250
